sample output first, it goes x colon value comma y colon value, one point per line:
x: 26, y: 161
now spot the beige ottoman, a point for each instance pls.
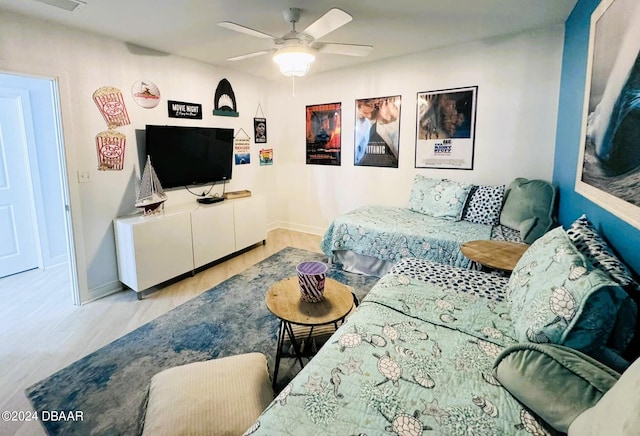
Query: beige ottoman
x: 217, y: 397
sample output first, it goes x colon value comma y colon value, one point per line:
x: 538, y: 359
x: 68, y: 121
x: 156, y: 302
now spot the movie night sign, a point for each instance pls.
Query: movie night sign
x: 182, y: 109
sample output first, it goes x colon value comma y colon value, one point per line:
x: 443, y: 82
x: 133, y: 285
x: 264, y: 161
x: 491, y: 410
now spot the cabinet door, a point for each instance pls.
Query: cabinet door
x: 213, y: 233
x: 162, y: 249
x: 251, y: 221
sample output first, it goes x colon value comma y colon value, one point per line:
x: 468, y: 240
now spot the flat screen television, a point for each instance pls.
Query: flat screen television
x: 185, y: 156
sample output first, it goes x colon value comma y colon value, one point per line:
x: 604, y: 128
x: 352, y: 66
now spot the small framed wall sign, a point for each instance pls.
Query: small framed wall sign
x: 182, y: 109
x: 266, y: 157
x: 242, y: 148
x: 260, y: 130
x: 445, y: 128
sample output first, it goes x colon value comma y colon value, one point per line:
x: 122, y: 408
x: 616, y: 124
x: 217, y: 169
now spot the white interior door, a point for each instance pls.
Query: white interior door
x: 18, y: 230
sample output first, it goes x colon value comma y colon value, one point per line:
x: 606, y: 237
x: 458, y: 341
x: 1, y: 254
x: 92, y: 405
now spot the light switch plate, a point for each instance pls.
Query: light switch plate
x: 84, y: 176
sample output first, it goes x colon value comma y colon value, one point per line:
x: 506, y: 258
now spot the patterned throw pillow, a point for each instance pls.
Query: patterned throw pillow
x: 504, y: 233
x: 438, y: 198
x: 556, y: 297
x: 589, y: 242
x: 484, y: 204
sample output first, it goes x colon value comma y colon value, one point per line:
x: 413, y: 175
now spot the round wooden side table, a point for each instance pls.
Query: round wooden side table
x: 500, y: 255
x: 283, y: 300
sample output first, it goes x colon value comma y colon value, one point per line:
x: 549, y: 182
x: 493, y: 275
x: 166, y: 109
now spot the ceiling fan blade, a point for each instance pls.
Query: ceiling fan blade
x: 246, y: 30
x: 248, y: 55
x: 327, y: 23
x: 345, y: 49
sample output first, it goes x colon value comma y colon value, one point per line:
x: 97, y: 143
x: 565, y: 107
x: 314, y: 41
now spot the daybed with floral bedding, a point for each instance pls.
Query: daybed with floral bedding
x: 440, y: 217
x: 438, y: 349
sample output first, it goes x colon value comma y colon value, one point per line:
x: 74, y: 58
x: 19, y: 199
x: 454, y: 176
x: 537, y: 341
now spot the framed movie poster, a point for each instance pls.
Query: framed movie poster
x: 609, y: 162
x: 445, y: 128
x: 260, y: 130
x: 377, y: 132
x: 323, y: 127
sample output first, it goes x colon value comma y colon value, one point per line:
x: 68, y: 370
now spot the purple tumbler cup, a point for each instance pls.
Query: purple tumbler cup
x: 311, y: 278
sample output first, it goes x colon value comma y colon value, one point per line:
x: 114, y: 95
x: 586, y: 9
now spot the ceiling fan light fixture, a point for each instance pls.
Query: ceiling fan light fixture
x: 294, y: 61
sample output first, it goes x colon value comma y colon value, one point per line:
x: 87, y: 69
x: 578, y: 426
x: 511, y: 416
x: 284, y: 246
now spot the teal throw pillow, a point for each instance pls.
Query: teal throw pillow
x: 556, y: 383
x: 554, y: 296
x: 529, y: 207
x: 438, y: 198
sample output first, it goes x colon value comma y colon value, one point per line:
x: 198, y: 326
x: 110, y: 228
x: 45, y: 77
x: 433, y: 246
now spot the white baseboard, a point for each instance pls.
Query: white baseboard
x: 56, y: 261
x: 102, y: 291
x: 297, y: 227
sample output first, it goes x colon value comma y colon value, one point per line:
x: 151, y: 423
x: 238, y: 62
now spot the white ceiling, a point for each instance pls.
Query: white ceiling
x: 394, y: 27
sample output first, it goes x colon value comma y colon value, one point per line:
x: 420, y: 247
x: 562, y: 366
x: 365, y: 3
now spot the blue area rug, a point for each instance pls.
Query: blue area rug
x: 110, y: 386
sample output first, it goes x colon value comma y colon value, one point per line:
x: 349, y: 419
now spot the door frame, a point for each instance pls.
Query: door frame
x: 70, y: 191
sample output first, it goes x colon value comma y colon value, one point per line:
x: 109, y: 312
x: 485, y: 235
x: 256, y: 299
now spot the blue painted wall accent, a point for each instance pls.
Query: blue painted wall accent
x: 624, y: 238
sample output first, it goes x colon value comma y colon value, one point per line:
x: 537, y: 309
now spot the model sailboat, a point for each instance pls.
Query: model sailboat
x: 151, y: 195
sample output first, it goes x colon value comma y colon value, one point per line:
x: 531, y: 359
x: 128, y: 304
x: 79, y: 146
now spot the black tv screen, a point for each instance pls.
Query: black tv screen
x: 185, y: 156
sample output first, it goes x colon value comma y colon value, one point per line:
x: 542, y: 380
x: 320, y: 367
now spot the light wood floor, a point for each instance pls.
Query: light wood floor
x: 41, y: 331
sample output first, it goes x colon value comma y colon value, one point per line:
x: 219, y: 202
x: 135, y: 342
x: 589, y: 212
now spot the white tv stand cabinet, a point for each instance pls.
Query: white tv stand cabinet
x: 156, y: 248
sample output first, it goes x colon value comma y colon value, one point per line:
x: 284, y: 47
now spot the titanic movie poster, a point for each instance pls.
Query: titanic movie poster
x: 445, y: 130
x: 323, y: 134
x: 609, y: 162
x: 377, y: 132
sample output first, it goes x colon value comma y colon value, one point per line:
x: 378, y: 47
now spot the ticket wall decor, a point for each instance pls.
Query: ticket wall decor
x: 445, y: 128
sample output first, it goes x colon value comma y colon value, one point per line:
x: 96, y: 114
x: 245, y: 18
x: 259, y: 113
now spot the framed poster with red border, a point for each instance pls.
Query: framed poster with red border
x: 323, y: 132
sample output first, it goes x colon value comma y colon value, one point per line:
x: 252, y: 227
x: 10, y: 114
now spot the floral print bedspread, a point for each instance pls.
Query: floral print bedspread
x: 394, y: 233
x: 416, y: 357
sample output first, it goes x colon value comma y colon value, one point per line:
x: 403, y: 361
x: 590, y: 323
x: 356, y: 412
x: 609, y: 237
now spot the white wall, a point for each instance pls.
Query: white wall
x: 518, y: 81
x: 517, y: 76
x: 84, y: 62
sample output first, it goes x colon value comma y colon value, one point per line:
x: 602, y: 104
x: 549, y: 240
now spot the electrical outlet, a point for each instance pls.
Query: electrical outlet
x: 84, y: 176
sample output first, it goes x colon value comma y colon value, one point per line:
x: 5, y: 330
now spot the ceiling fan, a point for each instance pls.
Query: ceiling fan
x: 294, y: 51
